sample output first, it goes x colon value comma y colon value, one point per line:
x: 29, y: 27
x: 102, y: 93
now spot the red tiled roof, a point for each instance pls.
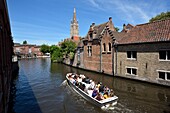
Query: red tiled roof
x: 148, y: 32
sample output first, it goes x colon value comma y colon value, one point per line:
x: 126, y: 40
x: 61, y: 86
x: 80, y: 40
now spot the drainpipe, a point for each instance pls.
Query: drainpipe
x: 113, y: 60
x: 116, y: 59
x: 100, y: 55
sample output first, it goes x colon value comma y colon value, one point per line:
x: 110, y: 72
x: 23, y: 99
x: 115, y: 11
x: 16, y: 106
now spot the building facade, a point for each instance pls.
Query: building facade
x: 6, y: 52
x: 98, y: 47
x: 144, y: 53
x: 27, y: 51
x: 140, y: 52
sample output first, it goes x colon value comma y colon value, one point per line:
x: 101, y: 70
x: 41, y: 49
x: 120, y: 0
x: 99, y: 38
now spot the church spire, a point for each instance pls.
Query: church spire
x: 74, y: 16
x: 74, y: 28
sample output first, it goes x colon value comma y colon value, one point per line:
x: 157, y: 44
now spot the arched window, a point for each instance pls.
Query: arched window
x: 104, y: 47
x: 110, y: 47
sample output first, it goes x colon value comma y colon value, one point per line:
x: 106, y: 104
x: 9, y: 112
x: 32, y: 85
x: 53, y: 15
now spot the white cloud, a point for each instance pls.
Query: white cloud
x: 130, y: 11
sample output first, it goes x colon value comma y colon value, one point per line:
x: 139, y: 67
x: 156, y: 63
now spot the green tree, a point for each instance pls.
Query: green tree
x: 68, y: 47
x: 56, y: 54
x: 161, y: 16
x: 24, y: 42
x: 53, y: 48
x: 117, y: 29
x: 45, y: 49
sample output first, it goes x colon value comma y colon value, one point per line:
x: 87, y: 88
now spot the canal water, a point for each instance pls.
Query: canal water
x: 40, y: 88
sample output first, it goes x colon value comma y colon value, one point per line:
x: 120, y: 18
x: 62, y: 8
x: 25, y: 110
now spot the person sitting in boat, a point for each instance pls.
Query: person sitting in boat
x: 82, y: 86
x: 92, y: 85
x: 106, y: 95
x: 86, y: 80
x: 101, y: 89
x: 95, y: 92
x: 79, y: 79
x: 77, y: 83
x: 99, y: 96
x: 111, y: 94
x: 72, y: 80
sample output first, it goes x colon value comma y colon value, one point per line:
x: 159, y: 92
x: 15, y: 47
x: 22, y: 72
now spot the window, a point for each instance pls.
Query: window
x: 104, y: 47
x: 165, y: 75
x: 110, y: 47
x: 91, y: 36
x: 29, y: 51
x: 131, y: 71
x: 89, y: 50
x: 131, y: 54
x: 164, y: 55
x: 17, y: 49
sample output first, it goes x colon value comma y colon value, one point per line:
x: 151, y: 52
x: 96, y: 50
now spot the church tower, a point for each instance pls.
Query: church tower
x: 74, y: 28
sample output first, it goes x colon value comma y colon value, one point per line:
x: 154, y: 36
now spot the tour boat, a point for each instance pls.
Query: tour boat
x: 111, y: 101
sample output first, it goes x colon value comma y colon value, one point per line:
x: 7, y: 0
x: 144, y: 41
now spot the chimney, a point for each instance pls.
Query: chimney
x: 110, y: 18
x: 93, y: 24
x: 124, y: 26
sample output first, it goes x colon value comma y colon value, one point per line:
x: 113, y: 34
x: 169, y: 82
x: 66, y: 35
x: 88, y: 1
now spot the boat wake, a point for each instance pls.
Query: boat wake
x: 64, y: 83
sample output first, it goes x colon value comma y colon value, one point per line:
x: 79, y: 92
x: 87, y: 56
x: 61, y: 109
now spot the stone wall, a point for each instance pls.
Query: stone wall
x: 147, y: 62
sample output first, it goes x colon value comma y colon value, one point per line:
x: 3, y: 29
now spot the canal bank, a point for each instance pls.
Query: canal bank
x: 67, y: 62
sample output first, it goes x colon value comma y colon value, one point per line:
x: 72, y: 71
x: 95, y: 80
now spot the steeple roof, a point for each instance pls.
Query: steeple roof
x: 74, y: 16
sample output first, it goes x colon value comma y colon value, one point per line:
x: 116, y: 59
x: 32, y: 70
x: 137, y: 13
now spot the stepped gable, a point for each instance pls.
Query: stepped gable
x: 95, y: 29
x: 157, y: 31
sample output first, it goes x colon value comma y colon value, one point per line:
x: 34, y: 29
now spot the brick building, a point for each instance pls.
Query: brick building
x: 139, y: 52
x: 27, y: 50
x: 6, y: 52
x: 98, y: 47
x: 144, y: 53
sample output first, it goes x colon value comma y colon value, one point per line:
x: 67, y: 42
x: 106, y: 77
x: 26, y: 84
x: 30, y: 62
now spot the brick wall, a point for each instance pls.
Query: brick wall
x: 106, y: 55
x: 92, y: 62
x: 6, y: 52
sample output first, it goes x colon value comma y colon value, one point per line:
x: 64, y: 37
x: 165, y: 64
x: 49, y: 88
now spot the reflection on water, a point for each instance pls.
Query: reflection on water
x: 40, y: 88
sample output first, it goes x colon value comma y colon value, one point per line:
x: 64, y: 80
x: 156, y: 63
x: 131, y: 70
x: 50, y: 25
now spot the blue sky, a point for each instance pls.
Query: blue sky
x: 48, y: 21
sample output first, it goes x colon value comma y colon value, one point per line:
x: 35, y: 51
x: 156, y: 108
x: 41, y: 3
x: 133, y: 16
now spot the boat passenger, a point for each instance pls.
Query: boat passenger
x: 98, y: 84
x: 77, y: 83
x: 111, y: 94
x: 101, y: 89
x: 99, y: 96
x: 92, y: 85
x: 87, y: 80
x: 82, y: 86
x: 95, y: 92
x: 72, y: 80
x: 105, y: 95
x: 79, y: 79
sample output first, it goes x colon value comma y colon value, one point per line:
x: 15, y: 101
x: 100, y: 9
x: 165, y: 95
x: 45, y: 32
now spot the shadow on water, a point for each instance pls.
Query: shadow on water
x: 22, y: 98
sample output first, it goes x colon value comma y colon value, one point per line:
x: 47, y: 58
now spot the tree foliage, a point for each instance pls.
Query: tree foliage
x: 45, y: 49
x: 24, y: 42
x: 117, y: 29
x: 56, y: 53
x: 65, y: 51
x: 161, y: 16
x: 68, y: 47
